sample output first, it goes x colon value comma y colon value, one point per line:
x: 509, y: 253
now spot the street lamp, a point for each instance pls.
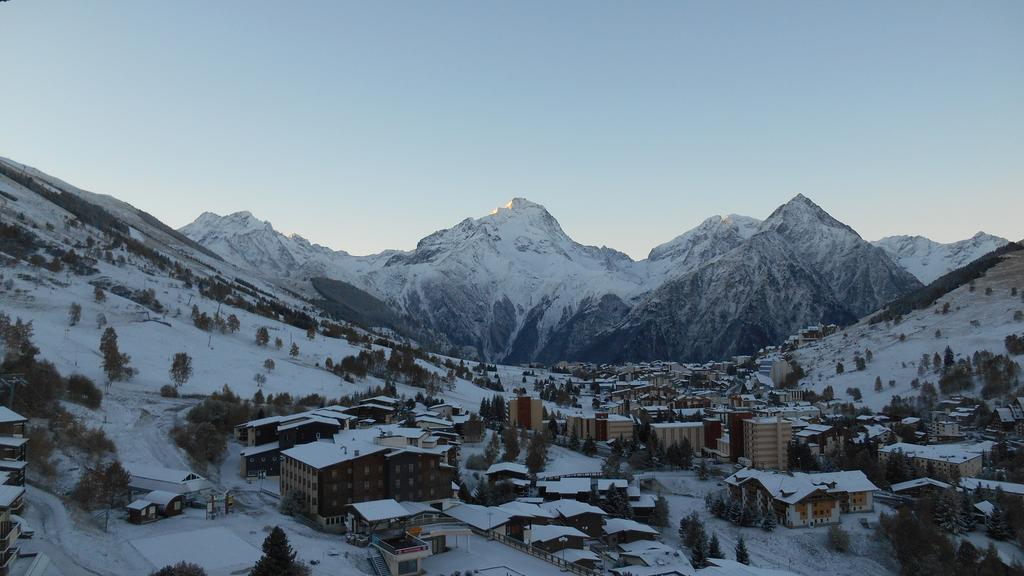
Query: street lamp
x: 562, y: 540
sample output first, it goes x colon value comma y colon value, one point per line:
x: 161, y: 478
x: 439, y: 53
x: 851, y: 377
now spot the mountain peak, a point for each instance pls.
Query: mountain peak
x: 519, y: 204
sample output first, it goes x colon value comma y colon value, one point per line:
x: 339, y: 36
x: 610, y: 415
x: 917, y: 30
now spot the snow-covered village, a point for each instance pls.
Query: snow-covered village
x: 185, y: 390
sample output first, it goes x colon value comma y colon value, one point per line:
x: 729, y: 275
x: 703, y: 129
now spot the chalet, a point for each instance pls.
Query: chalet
x: 483, y: 518
x: 644, y: 552
x: 552, y: 537
x: 580, y: 515
x: 800, y: 499
x: 168, y: 503
x: 512, y: 472
x: 142, y: 511
x: 523, y: 516
x: 570, y: 488
x: 11, y: 501
x: 623, y: 531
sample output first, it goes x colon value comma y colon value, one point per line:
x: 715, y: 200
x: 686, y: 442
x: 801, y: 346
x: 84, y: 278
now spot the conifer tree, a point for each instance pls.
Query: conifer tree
x: 715, y: 547
x: 742, y: 554
x: 278, y: 557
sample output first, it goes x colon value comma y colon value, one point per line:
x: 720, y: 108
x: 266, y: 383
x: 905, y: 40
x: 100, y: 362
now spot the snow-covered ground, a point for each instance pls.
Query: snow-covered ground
x: 897, y: 360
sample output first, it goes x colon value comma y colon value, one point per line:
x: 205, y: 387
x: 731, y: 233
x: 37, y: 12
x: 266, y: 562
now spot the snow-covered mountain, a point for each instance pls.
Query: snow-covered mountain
x: 513, y: 286
x: 800, y: 266
x: 927, y: 259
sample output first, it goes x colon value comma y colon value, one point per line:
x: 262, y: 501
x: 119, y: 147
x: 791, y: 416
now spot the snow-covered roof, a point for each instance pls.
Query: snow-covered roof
x: 794, y: 488
x: 985, y: 507
x: 570, y: 508
x: 161, y: 497
x: 8, y: 464
x: 917, y: 483
x: 10, y: 494
x: 565, y: 485
x: 604, y: 484
x: 952, y: 453
x: 261, y: 449
x: 616, y: 525
x: 549, y: 532
x: 672, y: 425
x: 13, y: 442
x: 574, y: 555
x: 140, y: 504
x: 324, y: 454
x: 480, y: 517
x: 311, y: 419
x: 527, y: 510
x: 7, y: 416
x: 972, y: 484
x: 379, y: 510
x: 159, y: 478
x: 512, y: 467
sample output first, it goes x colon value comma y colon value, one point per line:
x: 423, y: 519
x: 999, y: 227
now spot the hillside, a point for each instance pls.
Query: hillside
x: 976, y: 321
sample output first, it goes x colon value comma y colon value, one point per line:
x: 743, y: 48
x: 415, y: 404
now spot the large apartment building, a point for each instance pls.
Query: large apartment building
x: 366, y: 465
x: 526, y: 412
x: 944, y: 461
x: 800, y: 499
x: 602, y: 427
x: 766, y: 442
x: 669, y: 433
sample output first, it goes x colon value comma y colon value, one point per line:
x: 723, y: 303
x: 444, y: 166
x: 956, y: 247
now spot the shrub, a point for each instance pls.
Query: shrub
x: 169, y: 391
x: 838, y: 539
x: 82, y: 390
x: 202, y: 441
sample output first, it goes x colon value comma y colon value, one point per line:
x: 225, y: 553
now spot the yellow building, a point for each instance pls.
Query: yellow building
x: 601, y: 427
x: 526, y: 412
x: 669, y: 433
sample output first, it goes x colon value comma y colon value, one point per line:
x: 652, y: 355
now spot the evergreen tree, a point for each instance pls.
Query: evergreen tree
x: 694, y: 528
x: 589, y: 447
x: 278, y: 557
x: 735, y: 512
x: 700, y: 551
x: 511, y: 442
x: 742, y: 554
x: 659, y: 517
x: 966, y: 557
x: 966, y: 513
x: 180, y: 569
x: 294, y: 351
x: 770, y: 521
x: 74, y: 313
x: 684, y: 528
x: 233, y: 323
x: 715, y: 547
x: 947, y: 513
x: 998, y: 529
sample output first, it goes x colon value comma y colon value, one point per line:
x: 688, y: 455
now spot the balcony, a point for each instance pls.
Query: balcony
x: 404, y: 547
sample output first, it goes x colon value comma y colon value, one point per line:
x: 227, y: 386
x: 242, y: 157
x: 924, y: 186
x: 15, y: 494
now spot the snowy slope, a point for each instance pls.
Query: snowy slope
x: 897, y: 360
x: 927, y: 259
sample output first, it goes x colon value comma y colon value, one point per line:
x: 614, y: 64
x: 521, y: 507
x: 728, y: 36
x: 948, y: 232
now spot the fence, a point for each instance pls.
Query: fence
x: 545, y: 555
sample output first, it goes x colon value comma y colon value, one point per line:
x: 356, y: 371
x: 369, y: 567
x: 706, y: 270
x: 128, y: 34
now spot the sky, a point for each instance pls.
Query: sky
x: 365, y: 126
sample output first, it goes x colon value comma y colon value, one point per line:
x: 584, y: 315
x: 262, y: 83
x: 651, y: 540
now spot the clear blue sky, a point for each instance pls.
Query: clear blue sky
x: 366, y: 126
